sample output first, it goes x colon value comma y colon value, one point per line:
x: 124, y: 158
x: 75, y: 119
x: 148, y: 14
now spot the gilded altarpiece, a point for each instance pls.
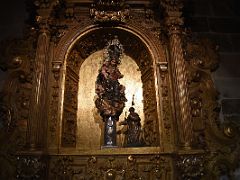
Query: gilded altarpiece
x: 48, y: 102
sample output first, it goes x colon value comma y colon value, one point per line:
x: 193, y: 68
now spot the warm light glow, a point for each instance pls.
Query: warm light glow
x: 89, y: 122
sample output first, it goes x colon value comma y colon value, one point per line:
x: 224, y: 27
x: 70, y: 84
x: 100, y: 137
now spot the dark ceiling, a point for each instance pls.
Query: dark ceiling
x: 12, y: 17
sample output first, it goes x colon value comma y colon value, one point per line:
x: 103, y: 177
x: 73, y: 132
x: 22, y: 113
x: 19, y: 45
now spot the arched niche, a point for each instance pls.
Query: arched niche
x: 80, y: 50
x: 88, y: 118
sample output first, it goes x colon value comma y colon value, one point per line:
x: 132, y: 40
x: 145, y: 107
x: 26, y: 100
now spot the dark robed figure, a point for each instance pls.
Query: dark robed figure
x: 133, y: 133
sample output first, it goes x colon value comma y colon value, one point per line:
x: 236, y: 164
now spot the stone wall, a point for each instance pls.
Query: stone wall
x: 219, y: 20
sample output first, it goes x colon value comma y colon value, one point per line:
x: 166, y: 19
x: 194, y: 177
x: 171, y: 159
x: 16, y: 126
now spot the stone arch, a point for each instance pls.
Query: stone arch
x: 144, y: 49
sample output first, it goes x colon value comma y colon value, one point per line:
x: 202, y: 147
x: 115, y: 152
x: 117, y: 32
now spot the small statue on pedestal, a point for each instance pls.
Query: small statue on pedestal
x: 133, y: 132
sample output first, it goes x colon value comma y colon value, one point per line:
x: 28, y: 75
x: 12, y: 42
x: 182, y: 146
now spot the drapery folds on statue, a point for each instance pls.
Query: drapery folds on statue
x: 110, y: 93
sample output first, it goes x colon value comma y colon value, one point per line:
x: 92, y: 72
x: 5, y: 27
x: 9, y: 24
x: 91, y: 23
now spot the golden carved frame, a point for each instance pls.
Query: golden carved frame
x: 191, y: 142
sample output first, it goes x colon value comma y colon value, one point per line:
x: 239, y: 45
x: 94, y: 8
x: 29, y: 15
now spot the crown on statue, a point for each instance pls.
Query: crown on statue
x: 113, y: 50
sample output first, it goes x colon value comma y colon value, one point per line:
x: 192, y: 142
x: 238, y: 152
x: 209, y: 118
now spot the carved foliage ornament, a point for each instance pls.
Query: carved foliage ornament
x: 131, y: 167
x: 201, y: 60
x: 191, y: 167
x: 109, y: 10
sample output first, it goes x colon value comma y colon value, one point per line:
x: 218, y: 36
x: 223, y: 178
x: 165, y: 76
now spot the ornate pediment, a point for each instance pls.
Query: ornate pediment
x: 109, y: 10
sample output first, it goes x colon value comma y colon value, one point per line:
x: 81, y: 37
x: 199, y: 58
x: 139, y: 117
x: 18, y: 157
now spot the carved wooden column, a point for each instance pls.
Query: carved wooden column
x: 174, y: 22
x: 38, y: 111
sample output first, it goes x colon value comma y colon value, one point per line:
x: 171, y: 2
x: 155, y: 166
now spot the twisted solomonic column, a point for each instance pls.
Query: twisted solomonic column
x: 174, y: 22
x: 38, y: 100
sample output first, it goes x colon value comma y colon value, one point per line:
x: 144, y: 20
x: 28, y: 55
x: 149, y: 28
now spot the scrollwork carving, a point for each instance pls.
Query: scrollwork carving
x: 129, y: 167
x: 191, y: 167
x: 201, y: 61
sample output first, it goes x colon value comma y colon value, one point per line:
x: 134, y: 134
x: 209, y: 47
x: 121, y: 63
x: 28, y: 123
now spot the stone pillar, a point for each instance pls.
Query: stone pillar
x: 38, y: 110
x: 174, y: 23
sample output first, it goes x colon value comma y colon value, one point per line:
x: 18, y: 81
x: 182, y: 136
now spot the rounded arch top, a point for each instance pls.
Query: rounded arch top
x: 77, y: 46
x: 139, y: 44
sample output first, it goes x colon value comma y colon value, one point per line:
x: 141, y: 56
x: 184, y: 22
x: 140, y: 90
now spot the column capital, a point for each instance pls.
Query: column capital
x: 44, y: 11
x: 172, y: 5
x: 173, y: 15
